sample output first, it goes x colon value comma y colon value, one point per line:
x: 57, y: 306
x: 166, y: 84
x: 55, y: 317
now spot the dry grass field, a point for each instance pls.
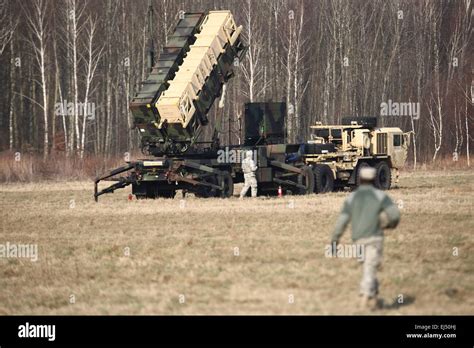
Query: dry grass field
x: 181, y: 257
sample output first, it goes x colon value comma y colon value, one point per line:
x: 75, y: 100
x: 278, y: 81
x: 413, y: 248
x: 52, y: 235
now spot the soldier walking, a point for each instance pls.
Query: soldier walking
x: 370, y: 211
x: 250, y: 181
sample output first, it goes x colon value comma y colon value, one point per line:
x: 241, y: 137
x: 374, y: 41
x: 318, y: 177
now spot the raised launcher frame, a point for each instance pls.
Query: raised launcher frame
x: 142, y: 105
x: 172, y: 104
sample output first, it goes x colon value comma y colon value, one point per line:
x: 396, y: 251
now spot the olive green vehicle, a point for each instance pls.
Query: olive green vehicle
x: 357, y: 143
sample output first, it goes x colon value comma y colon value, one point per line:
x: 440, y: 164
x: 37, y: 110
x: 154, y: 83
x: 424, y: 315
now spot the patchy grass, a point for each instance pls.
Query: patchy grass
x: 191, y: 250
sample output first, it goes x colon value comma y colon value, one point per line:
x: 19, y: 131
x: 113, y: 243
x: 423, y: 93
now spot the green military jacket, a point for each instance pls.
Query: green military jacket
x: 363, y: 208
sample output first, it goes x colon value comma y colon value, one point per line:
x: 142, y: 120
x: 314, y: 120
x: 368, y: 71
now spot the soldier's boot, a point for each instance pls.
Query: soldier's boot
x: 254, y: 192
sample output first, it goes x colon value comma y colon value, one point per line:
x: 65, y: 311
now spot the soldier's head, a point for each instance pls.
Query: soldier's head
x: 367, y: 175
x: 248, y: 154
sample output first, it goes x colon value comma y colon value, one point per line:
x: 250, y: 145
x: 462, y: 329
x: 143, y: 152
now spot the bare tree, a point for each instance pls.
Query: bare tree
x: 435, y: 103
x: 36, y: 15
x: 7, y: 29
x: 7, y: 26
x: 300, y: 80
x: 252, y: 67
x: 92, y: 57
x: 11, y: 121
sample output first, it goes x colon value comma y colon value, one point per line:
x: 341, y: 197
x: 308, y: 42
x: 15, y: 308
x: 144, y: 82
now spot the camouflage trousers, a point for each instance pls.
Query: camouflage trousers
x: 373, y: 250
x: 249, y: 182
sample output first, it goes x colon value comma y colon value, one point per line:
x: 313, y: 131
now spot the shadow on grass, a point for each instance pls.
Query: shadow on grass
x: 395, y: 304
x: 421, y: 186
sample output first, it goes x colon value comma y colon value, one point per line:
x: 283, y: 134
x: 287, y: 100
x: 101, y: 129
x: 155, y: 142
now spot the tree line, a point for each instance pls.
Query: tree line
x: 326, y: 59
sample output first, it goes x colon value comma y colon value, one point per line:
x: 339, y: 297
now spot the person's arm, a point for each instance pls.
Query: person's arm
x: 390, y: 215
x: 253, y: 166
x: 341, y: 223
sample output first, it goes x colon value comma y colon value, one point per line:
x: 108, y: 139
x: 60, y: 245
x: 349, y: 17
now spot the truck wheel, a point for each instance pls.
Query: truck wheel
x: 383, y: 176
x: 324, y: 178
x: 228, y: 185
x: 359, y: 167
x: 306, y: 178
x: 339, y: 185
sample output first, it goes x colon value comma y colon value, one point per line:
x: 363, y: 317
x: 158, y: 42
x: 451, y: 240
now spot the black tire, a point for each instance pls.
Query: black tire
x: 324, y: 178
x: 383, y: 176
x: 359, y: 167
x: 266, y: 189
x: 339, y: 185
x: 206, y: 191
x: 306, y: 178
x: 228, y: 185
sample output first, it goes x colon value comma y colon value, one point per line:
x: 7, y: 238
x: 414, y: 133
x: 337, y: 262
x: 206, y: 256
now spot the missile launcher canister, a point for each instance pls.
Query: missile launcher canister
x: 174, y: 100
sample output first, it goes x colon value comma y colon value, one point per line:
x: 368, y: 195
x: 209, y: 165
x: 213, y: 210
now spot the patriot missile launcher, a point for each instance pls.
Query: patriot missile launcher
x: 173, y: 102
x: 170, y: 109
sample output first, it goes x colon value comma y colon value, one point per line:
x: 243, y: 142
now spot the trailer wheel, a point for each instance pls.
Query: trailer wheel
x: 228, y: 185
x: 306, y: 178
x: 383, y: 176
x: 324, y: 178
x: 206, y: 191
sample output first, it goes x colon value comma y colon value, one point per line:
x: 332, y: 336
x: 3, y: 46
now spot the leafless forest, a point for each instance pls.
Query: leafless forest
x: 327, y: 59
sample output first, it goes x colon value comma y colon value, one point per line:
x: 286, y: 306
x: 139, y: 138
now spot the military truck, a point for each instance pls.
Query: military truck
x: 355, y: 144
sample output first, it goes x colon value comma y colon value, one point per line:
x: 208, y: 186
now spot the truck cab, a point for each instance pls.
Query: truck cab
x: 358, y: 142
